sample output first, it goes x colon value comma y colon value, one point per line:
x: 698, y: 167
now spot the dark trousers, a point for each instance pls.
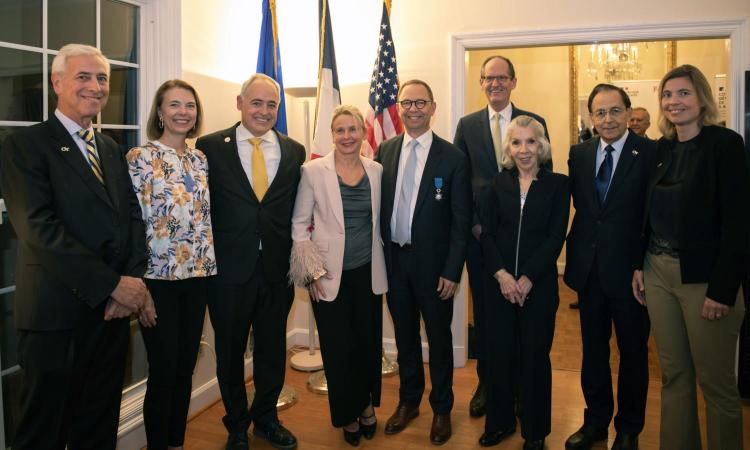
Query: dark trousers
x: 598, y: 313
x: 518, y: 345
x: 407, y: 300
x: 350, y: 329
x: 233, y: 308
x: 72, y: 384
x: 477, y: 273
x: 172, y: 347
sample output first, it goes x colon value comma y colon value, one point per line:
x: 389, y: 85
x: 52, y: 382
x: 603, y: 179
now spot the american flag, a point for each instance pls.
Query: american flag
x: 383, y: 121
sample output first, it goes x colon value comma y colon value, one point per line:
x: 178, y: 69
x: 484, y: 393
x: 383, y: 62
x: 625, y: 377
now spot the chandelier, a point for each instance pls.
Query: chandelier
x: 613, y: 61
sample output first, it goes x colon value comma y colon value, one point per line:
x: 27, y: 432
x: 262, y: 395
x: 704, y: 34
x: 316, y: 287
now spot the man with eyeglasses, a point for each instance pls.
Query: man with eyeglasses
x: 480, y: 135
x: 426, y: 215
x: 608, y: 177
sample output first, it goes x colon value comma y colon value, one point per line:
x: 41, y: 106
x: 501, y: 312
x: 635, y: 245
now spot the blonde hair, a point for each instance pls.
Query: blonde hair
x: 545, y: 150
x: 348, y: 110
x: 709, y: 111
x: 70, y: 50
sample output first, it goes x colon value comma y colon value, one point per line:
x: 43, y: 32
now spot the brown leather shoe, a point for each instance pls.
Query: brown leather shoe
x: 401, y: 418
x: 441, y: 429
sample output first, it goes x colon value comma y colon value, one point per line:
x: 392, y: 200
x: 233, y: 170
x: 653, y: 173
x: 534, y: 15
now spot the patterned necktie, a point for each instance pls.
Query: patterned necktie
x: 402, y: 234
x: 260, y: 176
x: 497, y: 140
x: 604, y: 176
x: 91, y: 156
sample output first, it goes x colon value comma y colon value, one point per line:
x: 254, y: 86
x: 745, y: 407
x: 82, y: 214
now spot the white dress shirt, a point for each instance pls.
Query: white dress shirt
x: 424, y: 142
x: 269, y: 146
x: 73, y: 128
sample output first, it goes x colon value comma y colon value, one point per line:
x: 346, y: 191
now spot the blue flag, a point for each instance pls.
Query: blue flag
x: 269, y: 56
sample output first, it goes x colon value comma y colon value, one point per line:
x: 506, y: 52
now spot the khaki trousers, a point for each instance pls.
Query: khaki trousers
x: 690, y: 346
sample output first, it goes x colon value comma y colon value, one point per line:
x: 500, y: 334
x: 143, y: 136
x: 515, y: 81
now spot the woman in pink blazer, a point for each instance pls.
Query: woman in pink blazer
x: 338, y: 256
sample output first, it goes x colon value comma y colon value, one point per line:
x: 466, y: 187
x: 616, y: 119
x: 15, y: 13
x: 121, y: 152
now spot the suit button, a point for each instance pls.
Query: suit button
x: 593, y: 245
x: 598, y: 222
x: 257, y: 233
x: 75, y: 291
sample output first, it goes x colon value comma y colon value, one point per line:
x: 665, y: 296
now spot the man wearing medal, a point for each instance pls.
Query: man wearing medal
x: 426, y: 216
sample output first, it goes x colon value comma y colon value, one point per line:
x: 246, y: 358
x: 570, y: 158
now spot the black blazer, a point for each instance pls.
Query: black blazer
x: 439, y: 228
x: 474, y: 138
x: 610, y: 234
x: 239, y: 221
x: 542, y: 226
x: 75, y: 237
x: 714, y: 218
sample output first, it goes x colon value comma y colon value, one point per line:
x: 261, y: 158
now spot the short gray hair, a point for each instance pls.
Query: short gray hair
x: 260, y: 77
x: 71, y: 50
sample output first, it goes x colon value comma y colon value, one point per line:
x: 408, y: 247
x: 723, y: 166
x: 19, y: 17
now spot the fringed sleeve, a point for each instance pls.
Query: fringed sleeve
x: 305, y: 263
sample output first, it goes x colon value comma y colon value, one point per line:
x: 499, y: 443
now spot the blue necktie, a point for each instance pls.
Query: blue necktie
x: 604, y: 175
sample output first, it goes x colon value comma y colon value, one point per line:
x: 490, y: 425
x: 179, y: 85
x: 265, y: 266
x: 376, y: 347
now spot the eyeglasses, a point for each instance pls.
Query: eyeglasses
x: 406, y: 104
x: 500, y: 79
x: 601, y: 114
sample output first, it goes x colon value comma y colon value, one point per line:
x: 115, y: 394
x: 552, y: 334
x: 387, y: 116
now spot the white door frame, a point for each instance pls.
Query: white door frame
x: 737, y: 30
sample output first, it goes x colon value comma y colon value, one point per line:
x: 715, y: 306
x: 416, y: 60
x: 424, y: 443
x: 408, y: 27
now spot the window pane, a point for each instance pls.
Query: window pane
x: 21, y: 22
x: 20, y: 85
x: 119, y: 31
x: 122, y: 107
x: 126, y: 138
x: 71, y: 21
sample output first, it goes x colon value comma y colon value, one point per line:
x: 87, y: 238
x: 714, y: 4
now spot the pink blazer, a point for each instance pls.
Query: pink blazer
x: 319, y: 197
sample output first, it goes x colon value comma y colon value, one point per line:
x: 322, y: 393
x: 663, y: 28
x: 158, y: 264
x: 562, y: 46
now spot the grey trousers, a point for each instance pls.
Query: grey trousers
x: 691, y: 347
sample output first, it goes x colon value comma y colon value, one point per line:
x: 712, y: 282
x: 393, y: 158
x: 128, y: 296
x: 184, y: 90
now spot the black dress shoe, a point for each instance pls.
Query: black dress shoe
x: 585, y: 437
x: 625, y: 441
x: 490, y: 438
x: 276, y: 435
x: 401, y: 418
x: 478, y: 403
x: 368, y: 430
x: 237, y: 441
x: 533, y: 445
x: 441, y: 429
x: 352, y: 437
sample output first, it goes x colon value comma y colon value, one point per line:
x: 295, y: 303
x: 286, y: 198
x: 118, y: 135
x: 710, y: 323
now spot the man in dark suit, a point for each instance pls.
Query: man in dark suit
x: 253, y: 176
x: 426, y: 214
x: 81, y: 253
x: 608, y: 178
x: 480, y: 136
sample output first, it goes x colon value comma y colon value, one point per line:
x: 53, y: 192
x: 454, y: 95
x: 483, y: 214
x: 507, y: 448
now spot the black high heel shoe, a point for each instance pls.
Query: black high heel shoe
x: 352, y: 437
x: 368, y: 430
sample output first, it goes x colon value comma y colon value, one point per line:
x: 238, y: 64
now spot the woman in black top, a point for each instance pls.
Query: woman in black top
x: 698, y: 241
x: 524, y: 216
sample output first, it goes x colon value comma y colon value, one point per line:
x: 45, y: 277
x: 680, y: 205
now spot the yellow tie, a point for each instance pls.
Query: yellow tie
x: 260, y: 176
x: 91, y: 156
x: 497, y: 140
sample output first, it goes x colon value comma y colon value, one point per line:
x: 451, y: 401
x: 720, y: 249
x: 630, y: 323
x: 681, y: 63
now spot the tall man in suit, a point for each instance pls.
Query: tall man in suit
x: 608, y: 177
x: 81, y: 253
x: 480, y: 135
x: 253, y: 176
x: 426, y: 214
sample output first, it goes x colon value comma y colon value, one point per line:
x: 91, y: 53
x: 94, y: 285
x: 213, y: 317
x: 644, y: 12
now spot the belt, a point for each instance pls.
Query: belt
x: 658, y: 246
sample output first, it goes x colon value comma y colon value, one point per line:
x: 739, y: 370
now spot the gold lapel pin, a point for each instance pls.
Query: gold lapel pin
x: 659, y: 165
x: 227, y: 139
x: 64, y: 149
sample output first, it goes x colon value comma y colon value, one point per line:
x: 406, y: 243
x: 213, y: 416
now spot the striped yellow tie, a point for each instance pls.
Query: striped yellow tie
x: 260, y: 176
x: 96, y: 167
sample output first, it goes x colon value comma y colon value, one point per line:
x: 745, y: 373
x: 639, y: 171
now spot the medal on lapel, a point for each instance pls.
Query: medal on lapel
x: 438, y: 188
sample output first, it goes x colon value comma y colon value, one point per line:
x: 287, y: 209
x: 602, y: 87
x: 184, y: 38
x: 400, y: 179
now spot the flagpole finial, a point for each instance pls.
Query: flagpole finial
x: 388, y: 6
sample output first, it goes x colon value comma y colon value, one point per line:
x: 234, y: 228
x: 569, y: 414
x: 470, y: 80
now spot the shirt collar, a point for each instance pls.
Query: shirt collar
x: 243, y: 134
x: 424, y: 140
x: 506, y: 112
x: 70, y: 125
x: 617, y: 145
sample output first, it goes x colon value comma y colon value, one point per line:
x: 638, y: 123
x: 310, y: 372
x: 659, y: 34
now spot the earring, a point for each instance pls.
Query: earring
x: 161, y: 122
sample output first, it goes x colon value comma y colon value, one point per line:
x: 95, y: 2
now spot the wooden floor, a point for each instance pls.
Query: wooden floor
x: 309, y: 419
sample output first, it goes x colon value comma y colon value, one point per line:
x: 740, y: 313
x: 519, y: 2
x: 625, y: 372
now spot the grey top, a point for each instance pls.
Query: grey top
x: 357, y: 223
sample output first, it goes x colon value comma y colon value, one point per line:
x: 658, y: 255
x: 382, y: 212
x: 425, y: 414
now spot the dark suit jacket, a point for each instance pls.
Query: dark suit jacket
x: 473, y: 137
x: 611, y: 233
x: 439, y: 228
x: 714, y: 218
x: 75, y: 238
x: 240, y: 222
x: 542, y: 227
